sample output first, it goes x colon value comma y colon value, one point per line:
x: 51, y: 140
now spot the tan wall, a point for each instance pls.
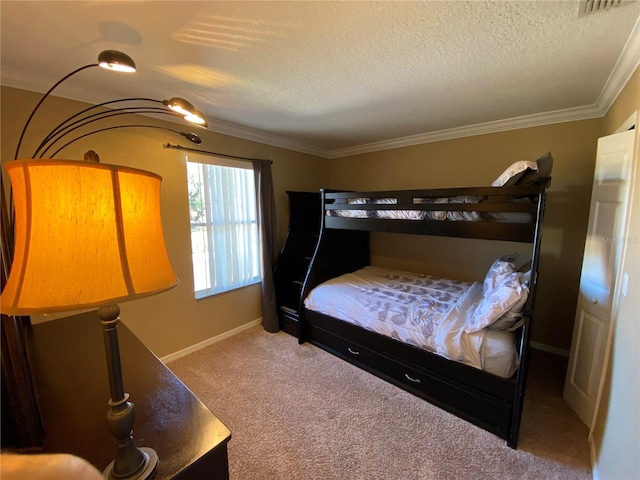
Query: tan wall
x: 174, y: 320
x: 476, y: 161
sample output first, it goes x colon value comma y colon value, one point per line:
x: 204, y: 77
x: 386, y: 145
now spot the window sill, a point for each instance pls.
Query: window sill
x: 202, y: 294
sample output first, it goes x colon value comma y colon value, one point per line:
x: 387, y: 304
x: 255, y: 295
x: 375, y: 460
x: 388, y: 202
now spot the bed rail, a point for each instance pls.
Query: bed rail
x: 492, y: 213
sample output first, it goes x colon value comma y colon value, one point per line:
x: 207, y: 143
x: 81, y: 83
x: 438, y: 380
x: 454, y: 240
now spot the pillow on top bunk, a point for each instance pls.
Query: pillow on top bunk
x: 524, y: 172
x: 505, y: 297
x: 545, y: 165
x: 513, y: 173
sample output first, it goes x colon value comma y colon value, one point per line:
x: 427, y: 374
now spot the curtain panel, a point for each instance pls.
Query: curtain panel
x: 265, y: 201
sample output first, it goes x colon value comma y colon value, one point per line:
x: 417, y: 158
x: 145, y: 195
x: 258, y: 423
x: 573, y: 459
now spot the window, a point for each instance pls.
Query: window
x: 224, y: 228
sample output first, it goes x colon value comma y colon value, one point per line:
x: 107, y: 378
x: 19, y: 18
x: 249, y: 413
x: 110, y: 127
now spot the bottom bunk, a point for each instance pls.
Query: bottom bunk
x: 476, y: 396
x: 456, y: 344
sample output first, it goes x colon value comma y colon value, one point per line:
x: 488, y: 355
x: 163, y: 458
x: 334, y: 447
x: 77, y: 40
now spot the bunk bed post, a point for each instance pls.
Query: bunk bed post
x: 521, y: 378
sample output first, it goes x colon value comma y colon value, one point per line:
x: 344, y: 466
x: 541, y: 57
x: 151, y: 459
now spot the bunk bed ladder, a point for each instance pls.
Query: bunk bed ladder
x: 337, y: 252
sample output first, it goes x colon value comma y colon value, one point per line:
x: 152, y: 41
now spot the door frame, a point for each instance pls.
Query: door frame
x: 628, y: 124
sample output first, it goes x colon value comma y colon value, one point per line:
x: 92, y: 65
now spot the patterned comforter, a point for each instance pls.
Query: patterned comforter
x: 424, y: 311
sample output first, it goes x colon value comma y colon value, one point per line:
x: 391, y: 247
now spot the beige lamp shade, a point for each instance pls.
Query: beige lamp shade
x: 86, y: 235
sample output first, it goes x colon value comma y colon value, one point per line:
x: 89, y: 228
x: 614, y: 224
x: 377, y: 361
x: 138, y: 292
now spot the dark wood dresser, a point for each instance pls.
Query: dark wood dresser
x: 73, y: 390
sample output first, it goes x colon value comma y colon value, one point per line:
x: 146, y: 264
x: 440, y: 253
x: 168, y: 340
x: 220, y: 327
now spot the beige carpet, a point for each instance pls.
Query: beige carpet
x: 296, y: 412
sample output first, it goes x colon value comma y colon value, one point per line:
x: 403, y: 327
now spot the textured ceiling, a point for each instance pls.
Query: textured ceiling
x: 333, y: 78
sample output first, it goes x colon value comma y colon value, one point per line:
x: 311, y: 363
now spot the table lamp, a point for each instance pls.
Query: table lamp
x: 90, y: 235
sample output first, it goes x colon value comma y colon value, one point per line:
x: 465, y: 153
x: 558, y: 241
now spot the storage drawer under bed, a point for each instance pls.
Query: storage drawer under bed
x: 491, y: 413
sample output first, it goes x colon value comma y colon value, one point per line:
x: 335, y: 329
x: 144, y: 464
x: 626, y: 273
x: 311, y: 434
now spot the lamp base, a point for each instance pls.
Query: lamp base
x: 147, y: 471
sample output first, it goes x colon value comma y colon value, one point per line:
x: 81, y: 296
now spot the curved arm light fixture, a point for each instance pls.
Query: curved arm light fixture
x: 63, y: 130
x: 117, y: 61
x: 108, y: 59
x: 59, y: 133
x: 196, y: 117
x: 192, y: 137
x: 179, y: 106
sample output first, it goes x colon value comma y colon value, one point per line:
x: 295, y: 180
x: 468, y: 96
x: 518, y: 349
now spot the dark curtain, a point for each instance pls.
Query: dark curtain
x: 266, y: 204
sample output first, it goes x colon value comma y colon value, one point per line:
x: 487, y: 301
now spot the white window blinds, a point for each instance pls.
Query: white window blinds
x: 224, y: 229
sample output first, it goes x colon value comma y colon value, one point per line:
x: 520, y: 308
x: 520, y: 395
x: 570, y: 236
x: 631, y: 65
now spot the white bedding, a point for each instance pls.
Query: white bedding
x: 441, y: 215
x: 424, y: 311
x: 468, y: 216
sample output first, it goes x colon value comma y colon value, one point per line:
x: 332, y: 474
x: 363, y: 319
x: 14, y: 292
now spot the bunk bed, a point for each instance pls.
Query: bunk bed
x: 509, y: 210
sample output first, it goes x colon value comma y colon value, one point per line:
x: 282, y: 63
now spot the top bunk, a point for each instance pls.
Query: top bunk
x: 510, y: 210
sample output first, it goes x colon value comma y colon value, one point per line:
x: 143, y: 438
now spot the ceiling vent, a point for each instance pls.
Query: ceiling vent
x: 589, y: 7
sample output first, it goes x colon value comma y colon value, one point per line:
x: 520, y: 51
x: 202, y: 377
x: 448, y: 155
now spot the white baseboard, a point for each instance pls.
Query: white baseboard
x: 210, y: 341
x: 548, y: 348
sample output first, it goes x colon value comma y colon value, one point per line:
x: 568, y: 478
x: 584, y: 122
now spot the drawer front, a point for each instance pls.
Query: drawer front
x: 350, y: 351
x: 491, y: 413
x: 288, y: 323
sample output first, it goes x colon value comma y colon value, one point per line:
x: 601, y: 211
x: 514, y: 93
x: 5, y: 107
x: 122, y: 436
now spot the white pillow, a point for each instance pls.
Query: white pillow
x: 498, y: 271
x: 495, y: 303
x: 516, y: 169
x: 512, y: 319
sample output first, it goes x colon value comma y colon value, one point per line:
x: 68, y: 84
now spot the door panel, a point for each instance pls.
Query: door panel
x: 598, y: 282
x: 590, y: 335
x: 598, y: 265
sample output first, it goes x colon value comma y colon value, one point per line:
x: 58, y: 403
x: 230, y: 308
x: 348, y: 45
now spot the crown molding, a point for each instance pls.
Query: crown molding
x: 234, y: 130
x: 526, y: 121
x: 627, y: 63
x: 13, y: 78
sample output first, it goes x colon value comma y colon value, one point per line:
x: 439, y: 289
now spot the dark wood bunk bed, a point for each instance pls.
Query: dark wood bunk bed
x: 486, y: 400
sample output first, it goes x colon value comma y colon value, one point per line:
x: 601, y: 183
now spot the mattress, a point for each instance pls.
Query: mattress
x: 424, y: 311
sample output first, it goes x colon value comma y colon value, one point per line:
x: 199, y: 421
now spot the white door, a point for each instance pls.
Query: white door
x: 596, y: 301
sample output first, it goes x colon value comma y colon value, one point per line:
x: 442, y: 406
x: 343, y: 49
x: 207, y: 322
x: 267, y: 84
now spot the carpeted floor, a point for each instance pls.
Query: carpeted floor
x: 296, y: 412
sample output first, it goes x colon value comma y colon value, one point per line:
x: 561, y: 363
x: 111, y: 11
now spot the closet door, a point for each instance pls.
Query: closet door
x: 599, y: 282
